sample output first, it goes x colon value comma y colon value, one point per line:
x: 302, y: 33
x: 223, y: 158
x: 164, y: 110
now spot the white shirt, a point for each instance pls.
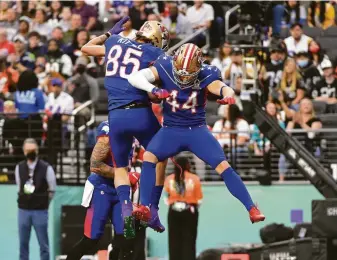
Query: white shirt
x: 63, y: 104
x: 201, y: 16
x: 221, y: 64
x: 131, y: 35
x: 294, y: 47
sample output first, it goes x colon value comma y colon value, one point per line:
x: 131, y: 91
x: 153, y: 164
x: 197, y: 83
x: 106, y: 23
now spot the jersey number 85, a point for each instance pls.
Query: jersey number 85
x: 130, y: 58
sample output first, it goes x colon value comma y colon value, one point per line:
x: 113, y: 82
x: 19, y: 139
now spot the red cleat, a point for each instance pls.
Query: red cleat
x: 255, y: 215
x: 142, y: 213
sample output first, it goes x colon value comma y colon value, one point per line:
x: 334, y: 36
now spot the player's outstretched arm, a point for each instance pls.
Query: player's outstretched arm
x: 95, y: 46
x: 143, y: 80
x: 220, y: 89
x: 99, y: 154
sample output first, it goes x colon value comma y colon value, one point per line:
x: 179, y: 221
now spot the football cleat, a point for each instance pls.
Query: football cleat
x: 154, y: 222
x: 255, y: 215
x: 142, y: 213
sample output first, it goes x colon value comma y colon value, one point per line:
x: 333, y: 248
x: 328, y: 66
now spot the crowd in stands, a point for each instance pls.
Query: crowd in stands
x: 42, y: 68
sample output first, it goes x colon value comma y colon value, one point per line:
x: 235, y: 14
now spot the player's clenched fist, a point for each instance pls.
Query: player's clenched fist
x: 226, y: 101
x: 118, y: 27
x: 160, y: 93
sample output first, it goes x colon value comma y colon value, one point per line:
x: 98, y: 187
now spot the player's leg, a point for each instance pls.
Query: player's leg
x: 164, y: 144
x: 97, y: 214
x: 121, y: 124
x: 203, y: 144
x: 121, y: 244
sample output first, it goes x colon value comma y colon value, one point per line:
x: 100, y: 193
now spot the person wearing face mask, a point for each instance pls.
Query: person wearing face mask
x: 36, y: 181
x: 271, y: 73
x: 57, y: 60
x: 309, y: 72
x: 326, y: 89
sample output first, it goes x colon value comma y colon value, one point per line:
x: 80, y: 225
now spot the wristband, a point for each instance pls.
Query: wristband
x: 107, y: 34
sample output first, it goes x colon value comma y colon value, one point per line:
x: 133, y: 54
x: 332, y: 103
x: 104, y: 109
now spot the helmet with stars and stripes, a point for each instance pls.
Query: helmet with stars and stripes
x: 187, y: 62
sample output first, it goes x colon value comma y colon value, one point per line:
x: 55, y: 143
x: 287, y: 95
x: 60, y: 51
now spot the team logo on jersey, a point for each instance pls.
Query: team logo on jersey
x: 105, y: 129
x: 196, y: 85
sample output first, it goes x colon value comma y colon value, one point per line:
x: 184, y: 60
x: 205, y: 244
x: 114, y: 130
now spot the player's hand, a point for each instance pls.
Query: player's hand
x: 160, y: 93
x: 226, y: 101
x: 118, y: 27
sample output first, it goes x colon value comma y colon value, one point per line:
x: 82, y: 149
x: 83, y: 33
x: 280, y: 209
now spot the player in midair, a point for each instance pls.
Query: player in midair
x: 186, y: 81
x: 102, y: 203
x: 130, y: 108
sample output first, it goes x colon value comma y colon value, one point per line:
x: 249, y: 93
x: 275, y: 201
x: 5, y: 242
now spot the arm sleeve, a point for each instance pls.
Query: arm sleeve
x: 51, y: 179
x: 210, y: 13
x: 17, y: 177
x: 142, y: 80
x: 69, y: 106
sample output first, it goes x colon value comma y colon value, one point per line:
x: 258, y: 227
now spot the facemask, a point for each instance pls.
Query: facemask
x: 31, y: 155
x: 302, y: 63
x: 275, y: 62
x: 314, y: 49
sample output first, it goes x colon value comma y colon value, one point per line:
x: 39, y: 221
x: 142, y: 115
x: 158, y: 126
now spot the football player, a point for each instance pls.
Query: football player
x: 130, y: 113
x: 185, y: 81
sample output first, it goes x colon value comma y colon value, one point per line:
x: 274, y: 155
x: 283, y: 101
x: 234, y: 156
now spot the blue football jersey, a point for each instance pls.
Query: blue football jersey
x: 123, y: 57
x: 98, y: 181
x: 185, y: 107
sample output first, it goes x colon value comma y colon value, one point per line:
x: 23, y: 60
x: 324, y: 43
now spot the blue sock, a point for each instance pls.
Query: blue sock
x: 123, y: 192
x: 156, y: 194
x: 236, y: 187
x: 147, y: 182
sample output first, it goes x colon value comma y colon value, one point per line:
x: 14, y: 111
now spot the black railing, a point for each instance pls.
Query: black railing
x: 60, y: 143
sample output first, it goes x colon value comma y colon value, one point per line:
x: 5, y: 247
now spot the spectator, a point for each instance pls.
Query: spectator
x: 235, y: 68
x: 11, y: 24
x: 57, y: 60
x: 75, y: 25
x: 87, y: 13
x: 223, y: 60
x: 291, y: 85
x: 54, y: 16
x: 65, y: 22
x: 326, y: 89
x: 25, y: 60
x: 138, y: 14
x: 4, y: 6
x: 13, y: 130
x: 40, y: 23
x: 83, y: 87
x: 177, y: 24
x: 59, y: 102
x: 233, y: 120
x: 81, y: 37
x: 318, y: 55
x: 4, y: 43
x: 36, y: 181
x: 40, y: 71
x: 294, y: 12
x: 153, y: 17
x: 28, y: 98
x: 24, y: 26
x: 262, y: 146
x: 200, y: 15
x: 297, y: 42
x: 305, y: 119
x: 271, y: 72
x: 35, y: 45
x: 308, y: 70
x: 321, y: 14
x: 128, y: 31
x: 8, y: 77
x: 184, y: 198
x: 57, y: 34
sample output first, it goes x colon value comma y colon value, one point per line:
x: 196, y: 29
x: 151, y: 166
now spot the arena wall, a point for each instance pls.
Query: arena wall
x: 222, y: 219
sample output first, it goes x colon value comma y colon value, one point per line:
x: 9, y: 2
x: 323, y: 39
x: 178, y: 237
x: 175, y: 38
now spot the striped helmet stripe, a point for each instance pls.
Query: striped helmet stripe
x: 191, y: 55
x: 187, y: 56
